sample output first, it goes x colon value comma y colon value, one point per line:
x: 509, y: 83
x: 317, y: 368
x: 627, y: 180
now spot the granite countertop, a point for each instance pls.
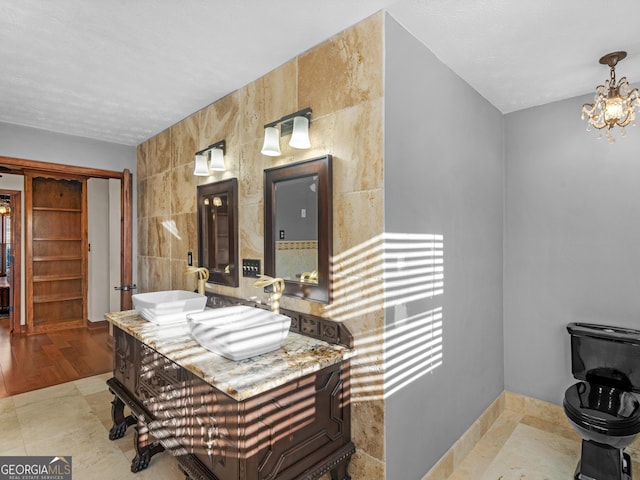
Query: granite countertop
x: 298, y: 356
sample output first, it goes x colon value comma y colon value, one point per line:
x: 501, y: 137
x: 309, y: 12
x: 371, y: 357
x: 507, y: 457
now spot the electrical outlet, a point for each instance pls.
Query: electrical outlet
x: 190, y: 259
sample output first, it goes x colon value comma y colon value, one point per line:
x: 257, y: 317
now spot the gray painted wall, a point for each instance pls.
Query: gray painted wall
x: 572, y: 240
x: 444, y: 175
x: 35, y: 144
x: 292, y: 196
x: 44, y: 146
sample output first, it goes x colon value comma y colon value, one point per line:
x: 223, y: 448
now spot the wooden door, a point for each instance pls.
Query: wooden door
x: 56, y: 252
x: 126, y: 242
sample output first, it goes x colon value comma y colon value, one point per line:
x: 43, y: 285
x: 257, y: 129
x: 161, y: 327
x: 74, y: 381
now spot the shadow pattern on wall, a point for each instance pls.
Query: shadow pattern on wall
x: 393, y: 271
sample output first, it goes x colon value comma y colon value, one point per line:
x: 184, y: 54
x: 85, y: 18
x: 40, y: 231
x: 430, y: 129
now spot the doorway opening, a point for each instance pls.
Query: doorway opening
x: 10, y: 255
x: 123, y: 251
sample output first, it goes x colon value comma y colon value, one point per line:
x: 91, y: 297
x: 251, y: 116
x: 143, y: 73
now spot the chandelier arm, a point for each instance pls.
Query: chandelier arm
x: 624, y: 122
x: 595, y: 113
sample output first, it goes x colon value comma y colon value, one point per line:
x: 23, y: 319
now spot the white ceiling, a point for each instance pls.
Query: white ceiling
x: 124, y: 70
x: 523, y: 53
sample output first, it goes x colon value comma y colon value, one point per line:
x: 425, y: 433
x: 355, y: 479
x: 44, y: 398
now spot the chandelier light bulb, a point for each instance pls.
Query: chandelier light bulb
x: 614, y: 109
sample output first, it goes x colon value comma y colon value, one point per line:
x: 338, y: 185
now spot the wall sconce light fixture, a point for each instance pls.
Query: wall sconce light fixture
x: 614, y: 103
x: 296, y: 124
x: 216, y: 159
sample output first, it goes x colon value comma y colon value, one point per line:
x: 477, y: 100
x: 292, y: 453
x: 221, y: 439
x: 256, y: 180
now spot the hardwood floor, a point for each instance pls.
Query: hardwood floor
x: 30, y: 362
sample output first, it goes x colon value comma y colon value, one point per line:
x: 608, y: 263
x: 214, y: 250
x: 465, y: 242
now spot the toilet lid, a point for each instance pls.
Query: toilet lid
x: 602, y: 408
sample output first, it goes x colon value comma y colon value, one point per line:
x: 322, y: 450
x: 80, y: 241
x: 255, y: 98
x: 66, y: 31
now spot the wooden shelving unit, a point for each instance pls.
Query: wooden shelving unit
x: 56, y: 241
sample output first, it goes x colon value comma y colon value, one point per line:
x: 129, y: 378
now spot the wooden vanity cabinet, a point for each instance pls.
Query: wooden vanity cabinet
x: 299, y: 430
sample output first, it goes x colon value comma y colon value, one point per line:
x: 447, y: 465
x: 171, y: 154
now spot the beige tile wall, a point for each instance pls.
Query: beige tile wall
x: 342, y: 81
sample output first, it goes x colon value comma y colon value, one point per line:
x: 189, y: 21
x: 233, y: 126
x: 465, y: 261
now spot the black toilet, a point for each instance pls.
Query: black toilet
x: 602, y: 407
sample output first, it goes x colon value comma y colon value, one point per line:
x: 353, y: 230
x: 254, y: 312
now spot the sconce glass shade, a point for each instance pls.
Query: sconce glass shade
x: 202, y: 169
x: 271, y: 145
x: 300, y: 134
x: 216, y: 163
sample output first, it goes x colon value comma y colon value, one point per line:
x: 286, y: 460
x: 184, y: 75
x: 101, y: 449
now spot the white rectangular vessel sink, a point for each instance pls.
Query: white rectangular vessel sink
x: 239, y: 332
x: 169, y: 306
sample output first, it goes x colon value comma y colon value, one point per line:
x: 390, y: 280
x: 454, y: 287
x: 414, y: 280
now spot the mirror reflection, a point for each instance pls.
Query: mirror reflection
x: 217, y: 231
x: 298, y: 227
x: 296, y: 230
x: 216, y: 254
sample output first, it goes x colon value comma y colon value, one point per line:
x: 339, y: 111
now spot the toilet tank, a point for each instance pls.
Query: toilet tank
x: 601, y: 353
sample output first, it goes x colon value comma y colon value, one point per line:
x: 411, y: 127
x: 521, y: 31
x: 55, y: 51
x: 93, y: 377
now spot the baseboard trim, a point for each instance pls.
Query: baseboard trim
x: 526, y: 406
x: 99, y: 325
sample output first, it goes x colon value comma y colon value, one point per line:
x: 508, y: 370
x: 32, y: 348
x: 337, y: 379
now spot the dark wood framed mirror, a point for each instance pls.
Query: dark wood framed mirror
x: 298, y: 228
x: 218, y: 231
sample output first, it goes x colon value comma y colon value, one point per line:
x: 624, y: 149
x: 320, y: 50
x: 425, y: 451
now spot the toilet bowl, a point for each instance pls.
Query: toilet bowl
x: 603, y: 406
x: 603, y: 414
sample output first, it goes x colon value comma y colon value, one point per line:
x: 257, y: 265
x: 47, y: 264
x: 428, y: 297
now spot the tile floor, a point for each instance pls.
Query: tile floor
x: 73, y: 419
x: 523, y: 447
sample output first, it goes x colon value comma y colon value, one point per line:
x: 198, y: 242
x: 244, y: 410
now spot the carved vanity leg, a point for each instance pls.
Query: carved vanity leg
x: 120, y: 422
x: 144, y: 449
x: 340, y: 472
x: 341, y: 461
